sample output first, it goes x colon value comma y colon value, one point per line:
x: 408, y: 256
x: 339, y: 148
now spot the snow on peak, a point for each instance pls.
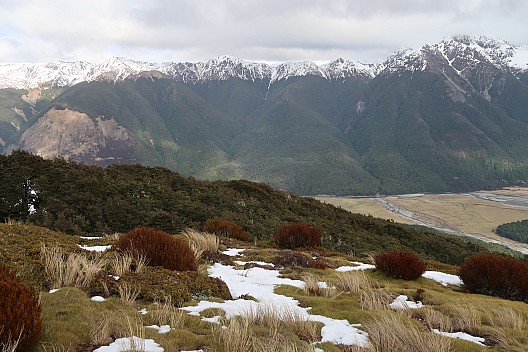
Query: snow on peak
x: 60, y: 73
x: 460, y: 52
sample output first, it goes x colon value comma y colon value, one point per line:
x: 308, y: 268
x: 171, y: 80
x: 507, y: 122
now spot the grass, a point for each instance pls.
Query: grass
x: 73, y: 269
x: 71, y: 320
x: 396, y: 333
x: 202, y: 242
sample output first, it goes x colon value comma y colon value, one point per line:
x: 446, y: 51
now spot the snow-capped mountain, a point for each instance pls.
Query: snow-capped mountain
x: 449, y: 116
x: 460, y: 52
x: 60, y: 73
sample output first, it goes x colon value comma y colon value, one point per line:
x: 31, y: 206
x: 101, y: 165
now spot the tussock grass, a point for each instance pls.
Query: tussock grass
x: 283, y: 318
x: 73, y: 269
x: 165, y: 313
x: 504, y: 317
x: 101, y: 331
x: 433, y: 319
x: 123, y: 262
x: 395, y: 333
x: 506, y: 341
x: 238, y: 335
x: 127, y: 293
x: 201, y: 242
x: 312, y: 287
x: 132, y: 326
x: 10, y: 346
x: 464, y: 316
x: 373, y: 299
x: 351, y: 281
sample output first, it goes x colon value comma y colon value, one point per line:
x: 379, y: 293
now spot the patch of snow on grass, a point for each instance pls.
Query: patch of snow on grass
x: 462, y: 336
x: 239, y: 262
x: 95, y: 248
x: 260, y: 283
x: 90, y: 238
x: 358, y: 266
x: 143, y: 311
x: 98, y: 299
x: 402, y: 302
x: 444, y: 279
x: 133, y: 344
x: 233, y: 252
x: 54, y: 290
x: 161, y: 329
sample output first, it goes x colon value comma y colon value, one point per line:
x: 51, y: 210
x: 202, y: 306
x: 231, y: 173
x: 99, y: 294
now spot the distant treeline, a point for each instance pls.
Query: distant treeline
x: 517, y: 231
x: 82, y: 199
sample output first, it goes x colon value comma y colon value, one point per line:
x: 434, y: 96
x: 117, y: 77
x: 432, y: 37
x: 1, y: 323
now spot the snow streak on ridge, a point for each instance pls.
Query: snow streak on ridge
x: 458, y: 50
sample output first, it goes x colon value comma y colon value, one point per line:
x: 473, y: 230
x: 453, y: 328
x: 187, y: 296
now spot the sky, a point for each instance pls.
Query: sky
x: 254, y: 30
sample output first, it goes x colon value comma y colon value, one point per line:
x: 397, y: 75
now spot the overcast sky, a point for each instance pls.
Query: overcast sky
x: 256, y: 30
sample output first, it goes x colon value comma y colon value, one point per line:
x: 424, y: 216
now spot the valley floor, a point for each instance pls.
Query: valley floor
x: 475, y: 214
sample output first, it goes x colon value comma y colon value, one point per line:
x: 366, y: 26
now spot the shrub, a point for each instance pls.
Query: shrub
x: 287, y: 259
x: 19, y: 312
x: 226, y: 228
x: 159, y: 248
x: 400, y: 264
x: 496, y: 275
x: 298, y: 234
x: 157, y: 283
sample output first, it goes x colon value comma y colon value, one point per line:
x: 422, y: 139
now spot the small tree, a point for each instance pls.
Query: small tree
x: 298, y: 234
x: 400, y: 264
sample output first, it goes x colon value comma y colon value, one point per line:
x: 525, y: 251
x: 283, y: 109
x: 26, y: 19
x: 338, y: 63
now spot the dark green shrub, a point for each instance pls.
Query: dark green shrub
x: 160, y: 249
x: 400, y: 264
x: 157, y: 283
x: 226, y: 228
x: 287, y: 259
x: 19, y: 312
x: 298, y: 234
x: 496, y: 275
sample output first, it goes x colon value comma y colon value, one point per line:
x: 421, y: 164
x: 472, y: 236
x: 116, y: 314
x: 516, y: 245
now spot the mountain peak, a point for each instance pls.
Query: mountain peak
x: 468, y: 50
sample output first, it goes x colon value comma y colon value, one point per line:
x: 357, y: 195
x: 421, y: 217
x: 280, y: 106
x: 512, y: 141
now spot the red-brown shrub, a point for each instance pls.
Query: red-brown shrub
x: 160, y: 249
x: 496, y: 275
x: 19, y: 312
x: 298, y: 234
x: 226, y: 228
x: 400, y: 264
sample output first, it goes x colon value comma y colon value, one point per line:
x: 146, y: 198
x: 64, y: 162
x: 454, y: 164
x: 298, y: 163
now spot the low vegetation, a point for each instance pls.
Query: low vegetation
x: 158, y: 248
x: 81, y: 199
x: 226, y: 228
x: 20, y: 320
x: 298, y: 234
x: 400, y: 264
x: 71, y: 321
x: 496, y: 275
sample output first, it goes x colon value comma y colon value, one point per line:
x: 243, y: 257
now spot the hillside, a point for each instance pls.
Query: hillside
x: 252, y: 297
x: 450, y: 116
x: 81, y: 199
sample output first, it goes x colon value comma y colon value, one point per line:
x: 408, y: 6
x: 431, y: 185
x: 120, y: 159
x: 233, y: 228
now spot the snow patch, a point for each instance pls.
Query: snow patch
x: 402, y: 302
x: 444, y: 279
x: 95, y: 248
x: 462, y: 336
x: 131, y: 343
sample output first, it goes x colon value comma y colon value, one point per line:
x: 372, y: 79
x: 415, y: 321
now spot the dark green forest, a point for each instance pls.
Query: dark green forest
x: 86, y: 199
x: 517, y: 231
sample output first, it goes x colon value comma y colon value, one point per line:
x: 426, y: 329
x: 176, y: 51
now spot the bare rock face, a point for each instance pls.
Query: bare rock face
x: 74, y: 135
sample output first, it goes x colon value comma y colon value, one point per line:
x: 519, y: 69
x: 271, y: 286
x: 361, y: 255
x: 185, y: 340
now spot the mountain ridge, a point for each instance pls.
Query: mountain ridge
x: 63, y: 73
x: 452, y: 116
